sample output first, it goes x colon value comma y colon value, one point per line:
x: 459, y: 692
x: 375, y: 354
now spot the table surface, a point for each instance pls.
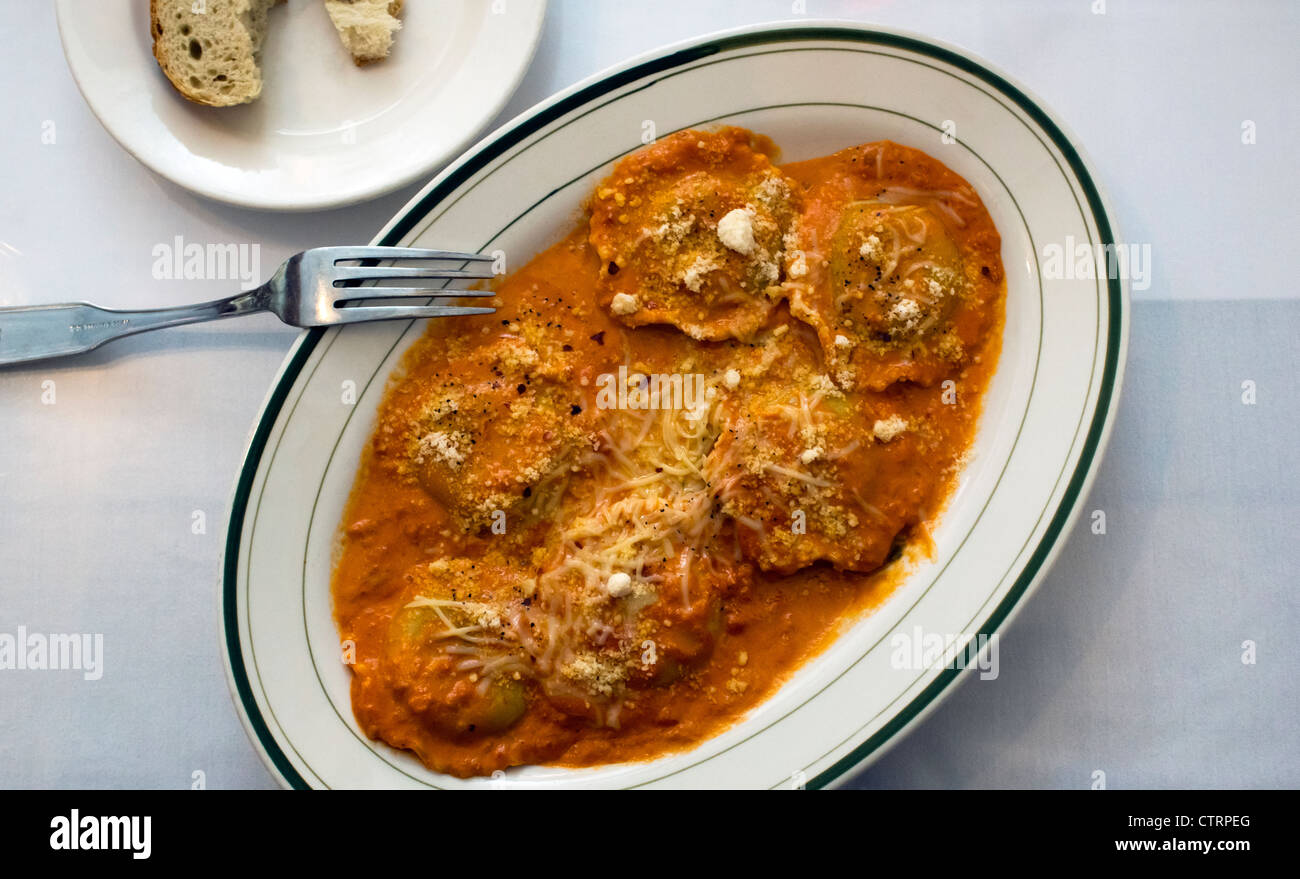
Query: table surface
x: 1151, y: 655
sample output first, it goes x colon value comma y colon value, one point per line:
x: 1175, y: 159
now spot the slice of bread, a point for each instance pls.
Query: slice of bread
x: 366, y: 27
x: 208, y: 48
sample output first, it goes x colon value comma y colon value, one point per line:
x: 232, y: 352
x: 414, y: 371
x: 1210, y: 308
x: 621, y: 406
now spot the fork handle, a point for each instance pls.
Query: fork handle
x: 38, y: 332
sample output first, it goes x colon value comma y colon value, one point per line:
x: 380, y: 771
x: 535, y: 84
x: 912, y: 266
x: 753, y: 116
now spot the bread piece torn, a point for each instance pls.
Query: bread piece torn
x: 209, y: 49
x: 366, y: 27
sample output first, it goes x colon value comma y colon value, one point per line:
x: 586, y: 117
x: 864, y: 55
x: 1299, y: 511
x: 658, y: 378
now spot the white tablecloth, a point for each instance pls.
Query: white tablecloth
x: 1129, y: 659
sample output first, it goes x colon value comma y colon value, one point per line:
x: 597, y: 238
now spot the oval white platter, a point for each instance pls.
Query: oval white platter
x: 324, y: 133
x: 813, y: 88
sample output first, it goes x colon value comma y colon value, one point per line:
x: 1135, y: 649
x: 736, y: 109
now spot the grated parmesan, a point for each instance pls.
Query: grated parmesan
x: 442, y: 447
x: 693, y: 277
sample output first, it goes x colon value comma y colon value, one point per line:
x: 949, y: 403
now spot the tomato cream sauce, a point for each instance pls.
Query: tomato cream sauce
x: 536, y: 570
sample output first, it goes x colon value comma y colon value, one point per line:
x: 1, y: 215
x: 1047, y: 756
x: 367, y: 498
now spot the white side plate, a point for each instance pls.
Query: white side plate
x: 814, y: 89
x: 324, y: 133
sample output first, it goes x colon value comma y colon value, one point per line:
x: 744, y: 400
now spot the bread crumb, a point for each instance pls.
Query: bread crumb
x: 843, y: 342
x: 731, y: 378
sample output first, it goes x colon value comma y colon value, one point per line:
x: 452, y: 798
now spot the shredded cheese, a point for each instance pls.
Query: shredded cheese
x: 650, y: 502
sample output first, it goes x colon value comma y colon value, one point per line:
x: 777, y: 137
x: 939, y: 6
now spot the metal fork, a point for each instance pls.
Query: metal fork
x: 311, y: 289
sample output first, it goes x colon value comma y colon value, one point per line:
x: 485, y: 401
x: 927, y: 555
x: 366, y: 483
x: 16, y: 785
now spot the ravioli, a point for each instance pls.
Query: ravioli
x: 700, y: 481
x: 690, y: 233
x: 797, y: 458
x: 465, y: 602
x: 892, y: 261
x: 493, y: 444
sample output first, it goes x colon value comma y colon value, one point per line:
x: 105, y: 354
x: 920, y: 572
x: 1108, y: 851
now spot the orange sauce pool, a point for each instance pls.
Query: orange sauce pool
x: 523, y: 578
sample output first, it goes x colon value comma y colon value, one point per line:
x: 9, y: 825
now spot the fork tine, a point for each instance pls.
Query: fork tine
x: 375, y: 273
x: 342, y: 253
x: 342, y: 293
x: 366, y: 313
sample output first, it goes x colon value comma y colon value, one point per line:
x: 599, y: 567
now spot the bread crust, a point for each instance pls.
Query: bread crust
x: 173, y: 76
x: 177, y: 76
